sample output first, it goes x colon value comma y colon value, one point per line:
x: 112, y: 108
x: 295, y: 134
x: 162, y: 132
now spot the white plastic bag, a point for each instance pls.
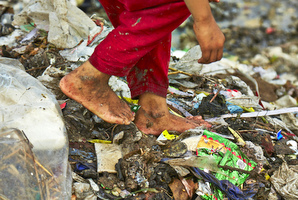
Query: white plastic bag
x: 66, y: 23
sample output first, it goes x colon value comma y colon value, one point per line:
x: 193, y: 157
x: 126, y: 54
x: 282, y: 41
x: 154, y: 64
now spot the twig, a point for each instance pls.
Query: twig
x: 2, y: 197
x: 112, y: 133
x: 251, y: 173
x: 138, y: 151
x: 245, y: 131
x: 14, y: 152
x: 36, y: 68
x: 176, y: 71
x: 165, y: 191
x: 215, y: 95
x: 91, y: 40
x: 40, y: 165
x: 122, y: 98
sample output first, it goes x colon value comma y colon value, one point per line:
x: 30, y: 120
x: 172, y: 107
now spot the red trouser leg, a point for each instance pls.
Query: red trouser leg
x: 150, y: 74
x: 139, y: 46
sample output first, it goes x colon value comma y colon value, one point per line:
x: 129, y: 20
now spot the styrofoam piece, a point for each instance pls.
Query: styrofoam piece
x: 107, y: 156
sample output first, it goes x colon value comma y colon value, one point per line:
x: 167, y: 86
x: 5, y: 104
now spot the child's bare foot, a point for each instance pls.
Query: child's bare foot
x: 89, y: 87
x: 154, y: 117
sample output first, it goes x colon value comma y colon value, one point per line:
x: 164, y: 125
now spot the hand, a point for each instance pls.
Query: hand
x: 211, y: 40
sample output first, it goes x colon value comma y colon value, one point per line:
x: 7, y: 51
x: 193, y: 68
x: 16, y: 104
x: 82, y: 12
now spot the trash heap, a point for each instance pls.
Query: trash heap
x: 249, y: 152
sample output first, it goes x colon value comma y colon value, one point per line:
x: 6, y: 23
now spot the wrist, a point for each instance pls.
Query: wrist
x: 203, y: 20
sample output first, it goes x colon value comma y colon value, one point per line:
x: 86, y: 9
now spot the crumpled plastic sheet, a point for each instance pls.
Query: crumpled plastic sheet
x: 10, y: 40
x: 258, y: 151
x: 66, y: 23
x: 285, y: 181
x: 189, y: 63
x: 290, y: 120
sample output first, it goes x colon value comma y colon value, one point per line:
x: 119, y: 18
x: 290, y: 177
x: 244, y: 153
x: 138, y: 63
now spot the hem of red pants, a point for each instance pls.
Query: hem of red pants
x: 148, y: 87
x: 106, y: 68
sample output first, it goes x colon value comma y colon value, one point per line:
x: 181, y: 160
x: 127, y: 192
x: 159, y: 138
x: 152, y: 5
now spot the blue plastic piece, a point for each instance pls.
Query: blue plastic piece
x: 279, y: 135
x: 80, y: 167
x: 234, y: 108
x: 196, y: 105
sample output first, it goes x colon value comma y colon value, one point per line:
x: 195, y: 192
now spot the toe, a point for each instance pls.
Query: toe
x: 197, y: 117
x: 127, y: 117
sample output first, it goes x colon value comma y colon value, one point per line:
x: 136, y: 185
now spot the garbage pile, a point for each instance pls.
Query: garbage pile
x: 249, y: 152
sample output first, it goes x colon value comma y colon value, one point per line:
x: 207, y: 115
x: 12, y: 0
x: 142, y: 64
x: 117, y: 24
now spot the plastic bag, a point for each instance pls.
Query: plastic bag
x: 66, y: 23
x: 285, y: 181
x: 19, y: 168
x: 25, y: 104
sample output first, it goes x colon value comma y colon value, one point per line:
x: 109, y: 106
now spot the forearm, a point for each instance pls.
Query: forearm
x: 200, y: 10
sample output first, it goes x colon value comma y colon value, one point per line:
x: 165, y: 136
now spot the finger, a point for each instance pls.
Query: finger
x: 220, y: 54
x: 213, y: 56
x: 205, y: 57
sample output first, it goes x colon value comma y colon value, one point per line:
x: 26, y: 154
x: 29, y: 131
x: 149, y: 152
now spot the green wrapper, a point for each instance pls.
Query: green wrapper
x: 225, y: 153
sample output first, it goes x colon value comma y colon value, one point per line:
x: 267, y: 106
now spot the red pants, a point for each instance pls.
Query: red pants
x: 139, y: 46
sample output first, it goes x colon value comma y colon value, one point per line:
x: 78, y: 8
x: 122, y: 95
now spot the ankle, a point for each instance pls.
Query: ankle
x: 87, y: 69
x: 153, y: 103
x: 149, y: 98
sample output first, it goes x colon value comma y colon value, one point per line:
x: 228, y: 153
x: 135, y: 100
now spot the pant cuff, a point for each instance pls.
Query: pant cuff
x: 159, y: 90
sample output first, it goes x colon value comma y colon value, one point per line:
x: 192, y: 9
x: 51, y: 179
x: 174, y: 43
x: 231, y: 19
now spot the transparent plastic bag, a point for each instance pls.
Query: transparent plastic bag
x: 26, y: 105
x: 22, y: 176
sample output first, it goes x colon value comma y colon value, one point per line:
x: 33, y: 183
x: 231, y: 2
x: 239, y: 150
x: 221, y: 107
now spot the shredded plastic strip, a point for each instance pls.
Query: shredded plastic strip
x: 258, y: 114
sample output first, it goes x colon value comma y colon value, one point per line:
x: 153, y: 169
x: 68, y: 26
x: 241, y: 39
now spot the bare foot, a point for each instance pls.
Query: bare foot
x: 154, y: 117
x: 89, y: 87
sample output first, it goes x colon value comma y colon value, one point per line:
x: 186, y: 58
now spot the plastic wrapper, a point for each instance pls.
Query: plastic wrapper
x: 225, y: 186
x: 258, y: 151
x: 26, y: 105
x: 225, y: 153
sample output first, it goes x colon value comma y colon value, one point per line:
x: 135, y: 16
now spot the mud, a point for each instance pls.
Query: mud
x: 212, y: 107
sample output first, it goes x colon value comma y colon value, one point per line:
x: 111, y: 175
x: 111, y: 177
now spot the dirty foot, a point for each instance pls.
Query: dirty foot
x: 89, y: 87
x: 154, y: 117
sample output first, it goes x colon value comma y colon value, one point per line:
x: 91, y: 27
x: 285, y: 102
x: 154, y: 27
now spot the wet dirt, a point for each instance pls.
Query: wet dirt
x: 212, y: 106
x: 78, y: 121
x: 174, y: 149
